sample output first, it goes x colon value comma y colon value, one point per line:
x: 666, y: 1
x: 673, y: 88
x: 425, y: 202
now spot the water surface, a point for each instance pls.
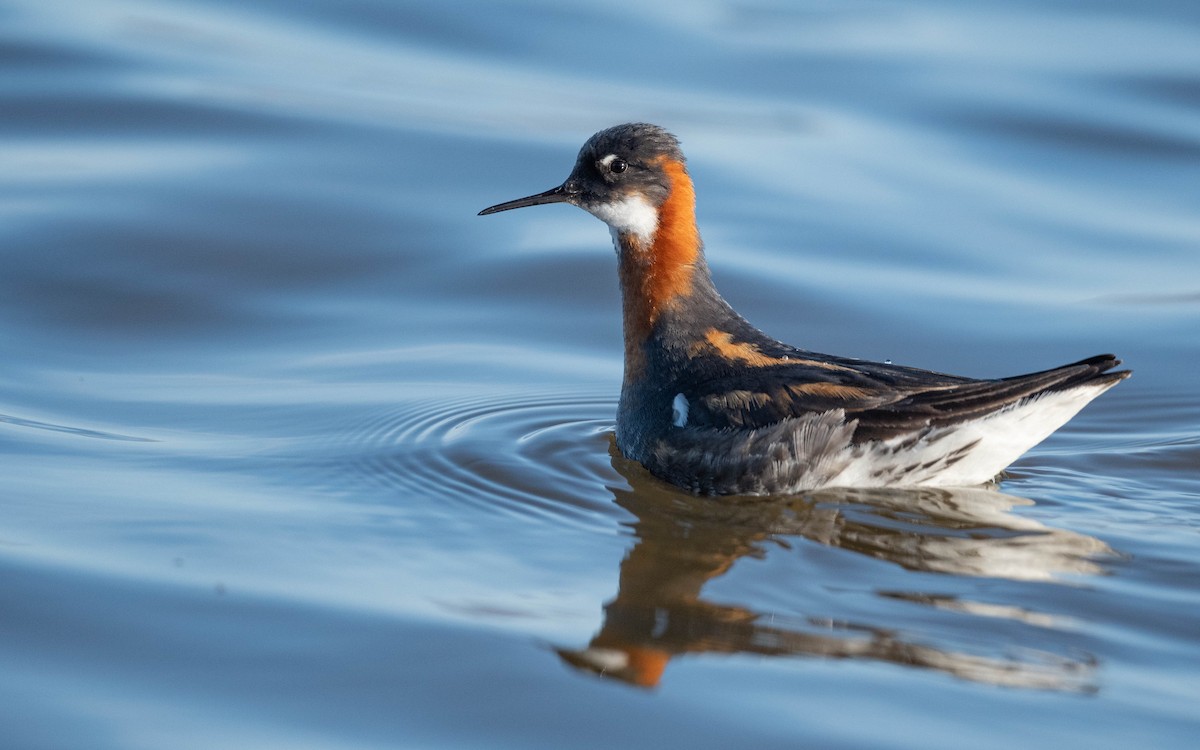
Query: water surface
x: 298, y: 452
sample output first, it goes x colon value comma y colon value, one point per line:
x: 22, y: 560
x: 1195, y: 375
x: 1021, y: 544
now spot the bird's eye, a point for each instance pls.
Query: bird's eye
x: 618, y: 166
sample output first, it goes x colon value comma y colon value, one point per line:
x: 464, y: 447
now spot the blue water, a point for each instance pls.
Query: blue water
x: 297, y: 451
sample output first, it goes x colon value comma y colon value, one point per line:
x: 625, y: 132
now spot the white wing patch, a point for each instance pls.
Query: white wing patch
x: 679, y: 410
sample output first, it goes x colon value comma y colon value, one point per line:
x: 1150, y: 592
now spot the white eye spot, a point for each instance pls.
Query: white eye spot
x: 679, y: 410
x: 612, y: 164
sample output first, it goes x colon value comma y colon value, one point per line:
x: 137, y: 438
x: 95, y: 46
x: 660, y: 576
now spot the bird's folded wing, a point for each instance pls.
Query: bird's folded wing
x: 886, y: 400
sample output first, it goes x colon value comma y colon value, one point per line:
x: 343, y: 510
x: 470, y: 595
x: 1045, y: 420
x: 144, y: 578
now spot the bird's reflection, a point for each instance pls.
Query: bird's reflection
x: 682, y: 543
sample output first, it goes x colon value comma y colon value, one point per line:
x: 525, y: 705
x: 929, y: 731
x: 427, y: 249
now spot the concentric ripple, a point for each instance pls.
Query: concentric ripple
x: 528, y: 453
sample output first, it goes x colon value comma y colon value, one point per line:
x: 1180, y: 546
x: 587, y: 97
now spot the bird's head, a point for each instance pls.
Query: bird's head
x: 623, y: 176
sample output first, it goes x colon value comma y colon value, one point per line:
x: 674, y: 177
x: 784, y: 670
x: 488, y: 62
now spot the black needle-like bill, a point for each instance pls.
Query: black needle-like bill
x: 554, y: 195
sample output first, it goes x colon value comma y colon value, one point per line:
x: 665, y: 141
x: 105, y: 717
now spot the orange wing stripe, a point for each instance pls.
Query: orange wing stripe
x: 748, y: 354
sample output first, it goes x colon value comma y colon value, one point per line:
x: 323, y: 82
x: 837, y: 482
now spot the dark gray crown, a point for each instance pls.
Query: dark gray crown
x: 635, y: 142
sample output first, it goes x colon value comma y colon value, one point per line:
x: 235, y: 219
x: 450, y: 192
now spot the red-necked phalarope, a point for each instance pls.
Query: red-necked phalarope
x: 715, y: 406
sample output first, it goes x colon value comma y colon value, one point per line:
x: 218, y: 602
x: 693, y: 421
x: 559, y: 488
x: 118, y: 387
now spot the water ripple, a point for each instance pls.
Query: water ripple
x: 68, y: 429
x: 534, y: 455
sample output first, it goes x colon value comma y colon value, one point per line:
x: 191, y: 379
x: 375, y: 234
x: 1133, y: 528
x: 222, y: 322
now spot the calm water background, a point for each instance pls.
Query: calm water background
x: 298, y: 452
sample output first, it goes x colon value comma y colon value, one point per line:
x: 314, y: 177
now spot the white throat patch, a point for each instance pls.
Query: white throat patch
x: 633, y: 215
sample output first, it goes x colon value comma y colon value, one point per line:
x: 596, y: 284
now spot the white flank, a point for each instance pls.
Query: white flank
x: 999, y: 439
x: 631, y: 215
x: 679, y: 410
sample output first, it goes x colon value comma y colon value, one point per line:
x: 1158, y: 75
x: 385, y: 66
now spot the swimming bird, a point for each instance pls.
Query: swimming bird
x: 713, y: 405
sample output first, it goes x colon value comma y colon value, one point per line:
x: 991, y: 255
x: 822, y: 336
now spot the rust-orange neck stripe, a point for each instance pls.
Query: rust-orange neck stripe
x: 676, y: 243
x: 653, y: 276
